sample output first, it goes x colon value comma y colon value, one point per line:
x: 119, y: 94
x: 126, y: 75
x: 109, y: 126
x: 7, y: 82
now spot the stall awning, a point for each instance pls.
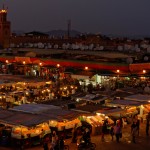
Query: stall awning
x: 50, y: 112
x: 126, y: 103
x: 35, y: 108
x: 20, y: 118
x: 80, y: 77
x: 21, y: 59
x: 139, y: 97
x: 111, y: 111
x: 25, y: 119
x: 5, y: 114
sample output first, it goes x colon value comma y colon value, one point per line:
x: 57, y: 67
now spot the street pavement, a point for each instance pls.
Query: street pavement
x: 142, y: 141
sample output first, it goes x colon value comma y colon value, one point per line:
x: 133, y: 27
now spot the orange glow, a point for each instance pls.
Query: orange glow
x: 58, y: 65
x: 40, y: 64
x: 7, y: 61
x: 144, y: 71
x: 118, y: 71
x: 3, y: 11
x: 86, y: 68
x: 24, y: 62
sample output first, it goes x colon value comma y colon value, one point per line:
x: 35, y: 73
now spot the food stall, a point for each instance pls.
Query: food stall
x: 143, y: 99
x: 71, y: 124
x: 65, y: 124
x: 30, y: 136
x: 22, y: 132
x: 96, y: 122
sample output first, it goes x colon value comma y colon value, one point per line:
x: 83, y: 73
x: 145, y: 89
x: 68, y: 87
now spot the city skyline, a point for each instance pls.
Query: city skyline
x: 116, y: 17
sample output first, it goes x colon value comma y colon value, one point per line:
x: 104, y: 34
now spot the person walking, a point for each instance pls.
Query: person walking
x: 117, y: 131
x: 86, y: 136
x: 112, y: 132
x: 134, y: 131
x: 54, y: 140
x: 136, y: 121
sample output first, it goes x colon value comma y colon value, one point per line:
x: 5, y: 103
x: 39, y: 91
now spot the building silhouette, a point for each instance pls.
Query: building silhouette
x: 5, y: 29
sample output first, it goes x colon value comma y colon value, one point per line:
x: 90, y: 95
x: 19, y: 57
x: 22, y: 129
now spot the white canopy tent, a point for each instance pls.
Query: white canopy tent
x: 139, y: 98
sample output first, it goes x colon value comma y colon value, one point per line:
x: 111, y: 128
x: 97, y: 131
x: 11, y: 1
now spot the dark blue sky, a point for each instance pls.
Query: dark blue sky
x: 119, y: 17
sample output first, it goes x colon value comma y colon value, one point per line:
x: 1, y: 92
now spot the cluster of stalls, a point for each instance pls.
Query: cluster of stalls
x: 18, y: 93
x: 115, y: 109
x: 131, y: 105
x: 29, y: 121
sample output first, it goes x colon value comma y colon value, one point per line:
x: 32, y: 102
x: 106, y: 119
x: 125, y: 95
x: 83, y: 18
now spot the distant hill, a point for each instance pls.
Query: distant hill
x: 61, y: 33
x: 55, y: 33
x: 18, y: 32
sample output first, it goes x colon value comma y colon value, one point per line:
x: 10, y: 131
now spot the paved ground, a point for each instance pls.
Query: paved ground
x: 142, y: 142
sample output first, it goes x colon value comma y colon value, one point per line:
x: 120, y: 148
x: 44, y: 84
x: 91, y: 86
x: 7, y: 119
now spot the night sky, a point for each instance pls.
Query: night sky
x: 116, y: 17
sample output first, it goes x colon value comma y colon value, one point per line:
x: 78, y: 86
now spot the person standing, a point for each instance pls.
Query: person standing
x: 21, y: 144
x: 45, y: 146
x: 74, y: 135
x: 147, y: 124
x: 136, y: 121
x: 147, y: 127
x: 104, y: 129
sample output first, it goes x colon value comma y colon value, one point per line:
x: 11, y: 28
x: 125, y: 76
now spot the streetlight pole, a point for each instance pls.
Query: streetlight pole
x: 118, y: 71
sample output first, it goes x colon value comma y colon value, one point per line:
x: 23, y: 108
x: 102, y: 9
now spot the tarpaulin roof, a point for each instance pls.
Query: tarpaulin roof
x: 35, y: 108
x: 4, y: 114
x: 139, y: 97
x: 30, y: 120
x: 127, y: 103
x: 20, y: 118
x: 21, y: 59
x: 71, y: 63
x: 111, y: 111
x: 62, y: 114
x: 138, y: 68
x: 88, y: 108
x: 25, y: 119
x: 48, y: 112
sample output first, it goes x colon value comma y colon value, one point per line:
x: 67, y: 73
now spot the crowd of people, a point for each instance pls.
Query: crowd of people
x: 115, y: 130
